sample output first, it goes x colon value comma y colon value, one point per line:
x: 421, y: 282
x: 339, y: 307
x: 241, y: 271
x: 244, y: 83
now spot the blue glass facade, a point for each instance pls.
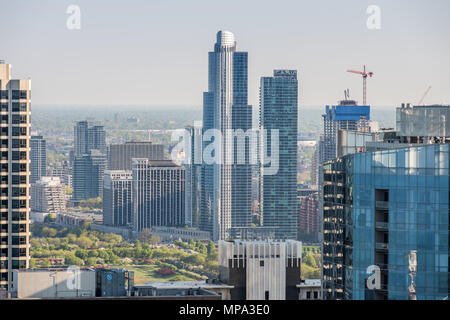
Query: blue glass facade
x: 279, y: 111
x: 378, y: 207
x: 226, y: 188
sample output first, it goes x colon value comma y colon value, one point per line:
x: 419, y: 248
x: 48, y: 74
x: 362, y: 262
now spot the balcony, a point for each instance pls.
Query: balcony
x: 381, y: 225
x: 382, y: 205
x: 381, y: 246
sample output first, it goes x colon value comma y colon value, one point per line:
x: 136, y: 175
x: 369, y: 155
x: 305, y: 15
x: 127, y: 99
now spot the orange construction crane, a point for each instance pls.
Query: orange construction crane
x: 364, y: 76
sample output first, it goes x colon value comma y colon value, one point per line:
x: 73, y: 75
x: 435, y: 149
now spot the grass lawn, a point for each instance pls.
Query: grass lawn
x: 144, y: 273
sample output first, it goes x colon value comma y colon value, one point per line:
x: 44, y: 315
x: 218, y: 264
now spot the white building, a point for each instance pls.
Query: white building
x: 261, y: 270
x: 48, y: 195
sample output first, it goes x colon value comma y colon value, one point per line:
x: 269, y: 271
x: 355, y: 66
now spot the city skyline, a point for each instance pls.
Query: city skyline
x: 321, y: 40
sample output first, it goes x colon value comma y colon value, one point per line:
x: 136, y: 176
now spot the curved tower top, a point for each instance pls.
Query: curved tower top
x: 225, y: 39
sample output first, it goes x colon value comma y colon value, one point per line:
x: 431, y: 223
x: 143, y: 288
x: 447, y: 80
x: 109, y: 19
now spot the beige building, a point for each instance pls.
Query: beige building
x: 15, y: 100
x: 48, y: 195
x: 53, y: 283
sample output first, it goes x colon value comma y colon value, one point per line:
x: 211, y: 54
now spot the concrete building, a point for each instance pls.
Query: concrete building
x: 88, y: 171
x: 120, y: 155
x: 38, y: 155
x: 15, y: 106
x: 261, y: 270
x: 59, y: 283
x: 48, y: 195
x: 158, y: 194
x: 89, y: 135
x: 310, y: 289
x: 279, y: 111
x: 185, y: 234
x: 117, y: 198
x: 208, y: 288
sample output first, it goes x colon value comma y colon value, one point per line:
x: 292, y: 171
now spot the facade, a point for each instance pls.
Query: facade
x: 193, y: 167
x: 89, y: 135
x: 185, y: 234
x: 261, y: 270
x: 120, y: 155
x: 309, y: 217
x: 226, y: 183
x: 158, y: 194
x: 15, y: 110
x: 387, y: 209
x: 279, y: 111
x: 57, y: 283
x: 48, y: 195
x: 310, y: 289
x: 209, y: 288
x: 38, y: 154
x: 346, y: 116
x: 88, y: 171
x: 117, y: 198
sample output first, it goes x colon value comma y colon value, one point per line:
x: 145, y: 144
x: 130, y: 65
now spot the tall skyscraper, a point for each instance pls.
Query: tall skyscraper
x: 158, y: 194
x: 279, y: 111
x: 226, y: 189
x: 88, y: 171
x: 120, y: 155
x: 193, y: 177
x: 15, y: 106
x: 345, y: 116
x: 117, y: 198
x: 38, y: 154
x: 88, y: 135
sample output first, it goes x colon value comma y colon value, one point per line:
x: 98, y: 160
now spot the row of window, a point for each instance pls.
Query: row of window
x: 15, y: 119
x: 16, y: 179
x: 15, y: 132
x: 15, y: 155
x: 15, y: 215
x: 15, y: 204
x: 15, y: 240
x: 16, y: 143
x: 15, y: 94
x: 16, y: 107
x: 15, y: 167
x: 16, y: 192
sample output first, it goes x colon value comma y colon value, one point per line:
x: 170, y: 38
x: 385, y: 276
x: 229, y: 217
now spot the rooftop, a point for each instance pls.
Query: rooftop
x: 184, y: 285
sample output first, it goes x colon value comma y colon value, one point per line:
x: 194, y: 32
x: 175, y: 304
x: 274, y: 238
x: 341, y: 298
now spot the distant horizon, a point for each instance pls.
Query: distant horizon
x: 156, y: 52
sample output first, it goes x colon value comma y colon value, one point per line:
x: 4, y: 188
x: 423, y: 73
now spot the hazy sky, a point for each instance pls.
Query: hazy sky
x: 151, y: 52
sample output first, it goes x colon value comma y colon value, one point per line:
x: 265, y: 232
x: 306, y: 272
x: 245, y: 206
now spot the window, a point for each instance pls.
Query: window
x: 261, y: 263
x: 23, y: 94
x: 308, y: 295
x: 316, y: 295
x: 4, y: 94
x: 4, y: 106
x: 266, y: 295
x: 15, y: 94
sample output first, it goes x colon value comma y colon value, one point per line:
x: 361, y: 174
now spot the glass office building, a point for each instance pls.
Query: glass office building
x: 279, y: 111
x: 226, y: 187
x: 379, y: 208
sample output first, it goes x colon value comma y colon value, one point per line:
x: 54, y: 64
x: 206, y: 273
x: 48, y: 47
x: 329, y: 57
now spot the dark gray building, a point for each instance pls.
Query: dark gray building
x: 88, y: 135
x: 158, y: 194
x: 38, y: 155
x: 88, y: 171
x: 279, y: 111
x: 120, y: 155
x: 117, y: 198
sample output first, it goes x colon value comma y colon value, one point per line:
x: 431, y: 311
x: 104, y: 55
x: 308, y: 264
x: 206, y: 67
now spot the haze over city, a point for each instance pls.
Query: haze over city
x: 153, y: 53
